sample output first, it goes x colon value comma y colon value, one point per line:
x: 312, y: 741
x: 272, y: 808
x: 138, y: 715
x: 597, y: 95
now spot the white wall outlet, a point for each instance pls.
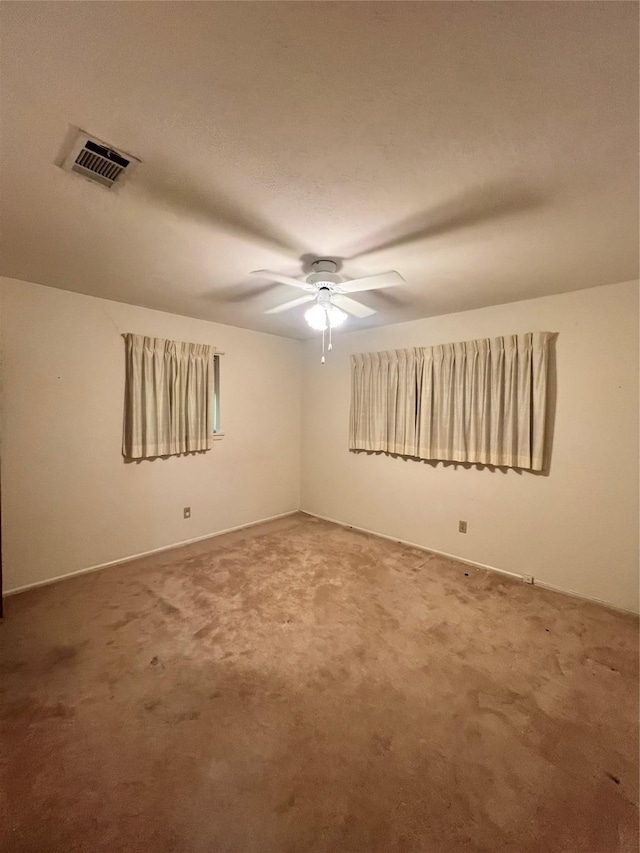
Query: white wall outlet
x: 187, y: 512
x: 527, y: 578
x: 462, y: 527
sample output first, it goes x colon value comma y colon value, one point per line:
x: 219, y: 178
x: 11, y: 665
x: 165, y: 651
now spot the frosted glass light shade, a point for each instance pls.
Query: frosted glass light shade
x: 321, y: 316
x: 316, y: 317
x: 336, y: 316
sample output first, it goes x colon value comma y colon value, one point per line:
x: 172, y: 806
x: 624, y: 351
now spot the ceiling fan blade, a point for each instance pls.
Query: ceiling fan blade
x: 352, y: 306
x: 372, y: 282
x: 284, y: 279
x: 292, y: 304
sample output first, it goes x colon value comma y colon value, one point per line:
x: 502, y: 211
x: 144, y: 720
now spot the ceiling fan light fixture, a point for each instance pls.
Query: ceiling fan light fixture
x: 316, y: 317
x: 323, y: 316
x: 336, y: 316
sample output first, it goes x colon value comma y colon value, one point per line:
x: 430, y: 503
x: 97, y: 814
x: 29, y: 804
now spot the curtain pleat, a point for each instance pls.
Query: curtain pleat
x: 168, y: 397
x: 480, y: 401
x: 384, y: 393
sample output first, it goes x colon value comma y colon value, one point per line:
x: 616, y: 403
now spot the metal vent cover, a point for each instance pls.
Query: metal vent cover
x: 97, y: 161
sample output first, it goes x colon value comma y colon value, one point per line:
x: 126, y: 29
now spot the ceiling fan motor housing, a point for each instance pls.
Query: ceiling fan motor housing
x: 324, y: 274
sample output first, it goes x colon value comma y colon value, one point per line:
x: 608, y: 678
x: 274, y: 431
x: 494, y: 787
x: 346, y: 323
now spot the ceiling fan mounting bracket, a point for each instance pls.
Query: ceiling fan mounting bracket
x: 324, y: 265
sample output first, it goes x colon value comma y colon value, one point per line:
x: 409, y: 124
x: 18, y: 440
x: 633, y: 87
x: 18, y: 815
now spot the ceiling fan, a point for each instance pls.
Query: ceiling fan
x: 328, y: 291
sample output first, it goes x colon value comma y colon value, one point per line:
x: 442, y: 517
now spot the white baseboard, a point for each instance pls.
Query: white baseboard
x: 120, y: 560
x: 573, y: 594
x: 468, y: 562
x: 465, y: 560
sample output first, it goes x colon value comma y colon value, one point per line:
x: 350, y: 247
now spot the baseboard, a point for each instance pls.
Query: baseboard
x: 573, y: 594
x: 464, y: 560
x: 467, y: 562
x: 121, y: 560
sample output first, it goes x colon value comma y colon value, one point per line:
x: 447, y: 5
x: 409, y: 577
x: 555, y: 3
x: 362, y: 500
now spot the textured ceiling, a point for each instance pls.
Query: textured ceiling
x: 487, y: 151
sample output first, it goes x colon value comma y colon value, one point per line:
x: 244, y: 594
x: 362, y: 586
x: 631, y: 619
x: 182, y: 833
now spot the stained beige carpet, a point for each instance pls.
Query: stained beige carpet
x: 303, y: 688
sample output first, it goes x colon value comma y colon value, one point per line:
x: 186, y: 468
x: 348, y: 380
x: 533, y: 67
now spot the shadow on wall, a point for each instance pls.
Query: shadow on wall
x: 128, y: 460
x: 550, y: 418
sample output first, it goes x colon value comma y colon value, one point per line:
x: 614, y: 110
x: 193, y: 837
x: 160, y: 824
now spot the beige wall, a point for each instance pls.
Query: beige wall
x: 576, y: 529
x: 69, y: 501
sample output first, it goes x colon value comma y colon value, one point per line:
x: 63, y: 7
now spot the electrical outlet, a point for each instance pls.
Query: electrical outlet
x: 462, y: 527
x: 187, y: 512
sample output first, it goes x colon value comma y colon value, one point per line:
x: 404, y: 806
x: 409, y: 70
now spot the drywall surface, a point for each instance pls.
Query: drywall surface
x: 69, y: 499
x: 575, y: 528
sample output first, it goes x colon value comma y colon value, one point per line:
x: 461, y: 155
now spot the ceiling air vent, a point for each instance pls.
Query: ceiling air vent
x: 97, y: 161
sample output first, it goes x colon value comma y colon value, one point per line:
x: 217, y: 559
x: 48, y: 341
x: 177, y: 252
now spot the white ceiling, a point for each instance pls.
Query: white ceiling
x: 487, y: 151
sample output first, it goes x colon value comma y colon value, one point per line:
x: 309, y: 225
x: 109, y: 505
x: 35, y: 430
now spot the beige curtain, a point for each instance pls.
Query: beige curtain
x: 480, y: 401
x: 168, y: 397
x: 384, y: 387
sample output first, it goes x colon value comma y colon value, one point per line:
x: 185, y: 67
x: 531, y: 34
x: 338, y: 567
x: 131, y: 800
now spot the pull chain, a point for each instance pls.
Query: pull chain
x: 322, y: 359
x: 330, y: 347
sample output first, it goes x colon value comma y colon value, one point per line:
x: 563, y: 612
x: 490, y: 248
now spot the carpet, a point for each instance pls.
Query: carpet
x: 300, y: 687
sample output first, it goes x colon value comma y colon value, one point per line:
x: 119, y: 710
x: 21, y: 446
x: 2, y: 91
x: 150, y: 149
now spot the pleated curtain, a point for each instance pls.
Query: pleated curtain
x: 384, y: 397
x: 481, y: 401
x: 168, y: 397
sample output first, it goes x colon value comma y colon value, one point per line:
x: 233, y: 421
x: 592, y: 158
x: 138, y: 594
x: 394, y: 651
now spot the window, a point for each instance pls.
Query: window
x: 167, y: 397
x: 217, y: 430
x: 482, y: 402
